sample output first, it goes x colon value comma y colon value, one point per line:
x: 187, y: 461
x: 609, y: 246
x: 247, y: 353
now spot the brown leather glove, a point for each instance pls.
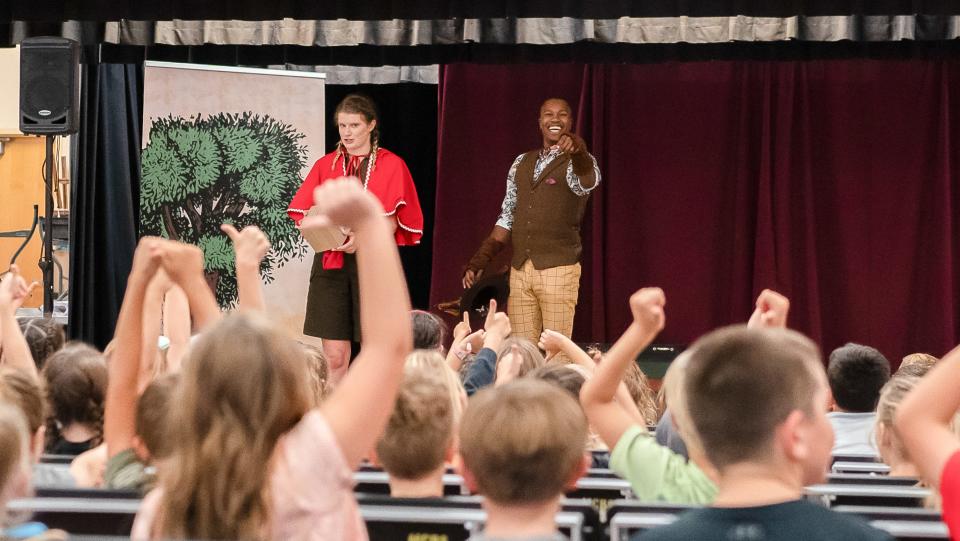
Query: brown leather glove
x: 485, y: 254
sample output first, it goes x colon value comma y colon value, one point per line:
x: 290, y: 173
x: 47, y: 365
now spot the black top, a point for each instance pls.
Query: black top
x: 784, y: 521
x: 64, y: 447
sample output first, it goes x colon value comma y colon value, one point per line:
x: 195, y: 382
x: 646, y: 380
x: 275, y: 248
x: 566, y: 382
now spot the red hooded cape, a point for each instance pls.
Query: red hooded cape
x: 390, y: 181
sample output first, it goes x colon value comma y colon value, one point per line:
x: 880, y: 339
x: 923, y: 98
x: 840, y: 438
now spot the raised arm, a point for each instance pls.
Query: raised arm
x: 771, y: 310
x: 553, y: 343
x: 250, y: 246
x: 483, y: 370
x: 184, y: 265
x: 491, y: 246
x: 582, y: 164
x: 176, y: 326
x: 151, y: 325
x: 119, y: 416
x: 609, y: 418
x: 923, y: 418
x: 16, y: 351
x: 359, y: 407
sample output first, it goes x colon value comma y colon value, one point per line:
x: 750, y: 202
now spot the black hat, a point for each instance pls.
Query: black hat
x: 476, y: 300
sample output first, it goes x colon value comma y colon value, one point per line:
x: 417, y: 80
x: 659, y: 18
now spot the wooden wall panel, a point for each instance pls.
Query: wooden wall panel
x: 21, y: 187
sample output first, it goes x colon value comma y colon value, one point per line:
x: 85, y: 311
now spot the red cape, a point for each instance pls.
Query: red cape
x: 390, y: 182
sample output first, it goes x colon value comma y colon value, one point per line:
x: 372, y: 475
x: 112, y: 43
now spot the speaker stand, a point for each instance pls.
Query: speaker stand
x: 46, y: 260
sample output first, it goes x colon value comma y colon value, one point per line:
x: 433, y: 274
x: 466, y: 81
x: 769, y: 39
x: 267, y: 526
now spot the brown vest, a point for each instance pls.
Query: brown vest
x: 546, y: 219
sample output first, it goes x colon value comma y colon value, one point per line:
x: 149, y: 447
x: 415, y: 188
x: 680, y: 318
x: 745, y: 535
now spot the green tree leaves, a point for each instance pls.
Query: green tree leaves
x: 200, y: 172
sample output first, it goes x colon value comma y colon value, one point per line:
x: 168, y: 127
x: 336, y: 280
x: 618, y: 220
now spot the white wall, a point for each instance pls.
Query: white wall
x: 9, y: 90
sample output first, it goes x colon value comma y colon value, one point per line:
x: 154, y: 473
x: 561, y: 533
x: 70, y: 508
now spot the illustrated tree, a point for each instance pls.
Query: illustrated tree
x: 201, y: 172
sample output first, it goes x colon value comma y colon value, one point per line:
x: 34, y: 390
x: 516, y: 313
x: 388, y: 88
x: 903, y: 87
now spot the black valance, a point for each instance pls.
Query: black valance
x: 113, y: 10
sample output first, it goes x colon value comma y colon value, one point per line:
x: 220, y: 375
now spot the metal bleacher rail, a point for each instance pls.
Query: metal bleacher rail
x: 832, y: 495
x: 625, y: 525
x: 570, y: 523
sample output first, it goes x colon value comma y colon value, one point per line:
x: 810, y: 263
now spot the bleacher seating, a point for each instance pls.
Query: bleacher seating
x: 890, y: 503
x: 856, y: 458
x: 860, y: 467
x: 56, y: 459
x: 871, y: 495
x: 81, y: 515
x: 378, y: 482
x: 869, y: 479
x: 457, y: 516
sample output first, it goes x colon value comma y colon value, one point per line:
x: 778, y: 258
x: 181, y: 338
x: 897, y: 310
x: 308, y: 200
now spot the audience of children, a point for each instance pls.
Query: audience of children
x: 856, y: 374
x: 241, y: 437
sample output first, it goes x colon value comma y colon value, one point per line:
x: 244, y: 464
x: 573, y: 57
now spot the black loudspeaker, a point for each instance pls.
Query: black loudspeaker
x: 49, y: 86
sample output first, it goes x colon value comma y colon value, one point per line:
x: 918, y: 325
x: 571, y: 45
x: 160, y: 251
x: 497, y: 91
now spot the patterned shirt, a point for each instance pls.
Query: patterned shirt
x: 543, y: 160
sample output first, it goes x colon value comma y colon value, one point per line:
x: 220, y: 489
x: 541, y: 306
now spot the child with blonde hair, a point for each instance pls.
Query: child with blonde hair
x: 925, y: 422
x: 419, y: 438
x: 889, y: 444
x: 15, y: 466
x: 522, y: 447
x: 253, y: 458
x: 431, y: 362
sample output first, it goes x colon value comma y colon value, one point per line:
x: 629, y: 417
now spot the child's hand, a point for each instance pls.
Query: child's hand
x: 496, y: 327
x: 508, y: 368
x: 145, y: 258
x: 463, y: 328
x: 250, y: 245
x: 14, y: 289
x: 647, y: 307
x: 342, y: 202
x: 348, y: 246
x: 497, y: 322
x: 772, y: 309
x: 475, y: 340
x: 183, y: 262
x: 551, y: 342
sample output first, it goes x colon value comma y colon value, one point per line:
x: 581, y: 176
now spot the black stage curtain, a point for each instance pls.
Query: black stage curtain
x: 408, y: 127
x: 105, y: 198
x: 112, y: 10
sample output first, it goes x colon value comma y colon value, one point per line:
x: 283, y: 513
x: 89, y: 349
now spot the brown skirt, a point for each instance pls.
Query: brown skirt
x: 333, y: 301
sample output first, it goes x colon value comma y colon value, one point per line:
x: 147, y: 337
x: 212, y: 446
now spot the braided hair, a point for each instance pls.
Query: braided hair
x: 44, y: 336
x: 76, y: 385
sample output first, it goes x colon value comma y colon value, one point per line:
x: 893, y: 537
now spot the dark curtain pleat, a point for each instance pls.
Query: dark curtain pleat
x: 832, y: 181
x: 105, y: 198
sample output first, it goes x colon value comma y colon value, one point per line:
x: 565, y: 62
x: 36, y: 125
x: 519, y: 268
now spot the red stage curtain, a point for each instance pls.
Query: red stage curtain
x: 832, y: 181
